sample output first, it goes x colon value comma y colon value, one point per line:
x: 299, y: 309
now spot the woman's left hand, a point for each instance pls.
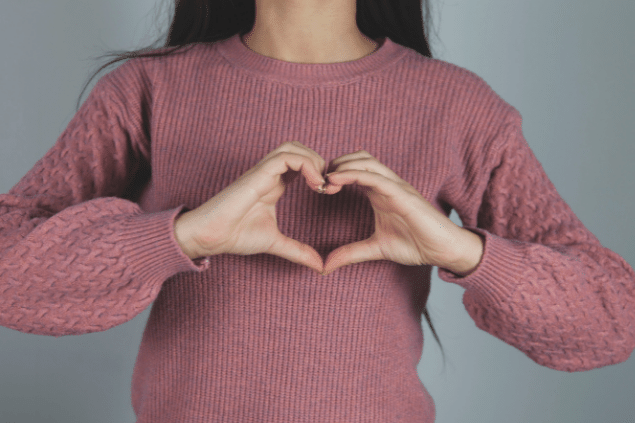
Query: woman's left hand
x: 408, y: 229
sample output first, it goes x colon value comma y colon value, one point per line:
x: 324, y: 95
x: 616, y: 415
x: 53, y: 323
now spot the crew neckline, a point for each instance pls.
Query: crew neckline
x: 269, y: 68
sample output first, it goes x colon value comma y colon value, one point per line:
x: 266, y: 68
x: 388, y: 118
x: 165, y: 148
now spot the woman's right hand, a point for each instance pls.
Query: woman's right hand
x: 241, y: 219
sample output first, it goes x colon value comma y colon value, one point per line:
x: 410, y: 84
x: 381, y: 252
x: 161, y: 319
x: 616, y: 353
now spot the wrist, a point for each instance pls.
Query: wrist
x: 470, y: 255
x: 183, y: 237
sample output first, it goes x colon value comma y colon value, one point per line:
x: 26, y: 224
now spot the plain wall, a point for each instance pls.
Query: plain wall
x: 566, y: 65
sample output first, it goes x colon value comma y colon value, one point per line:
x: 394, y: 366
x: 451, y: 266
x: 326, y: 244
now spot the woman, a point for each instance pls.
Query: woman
x: 167, y: 187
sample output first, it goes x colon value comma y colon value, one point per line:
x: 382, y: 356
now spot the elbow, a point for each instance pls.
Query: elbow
x: 581, y: 362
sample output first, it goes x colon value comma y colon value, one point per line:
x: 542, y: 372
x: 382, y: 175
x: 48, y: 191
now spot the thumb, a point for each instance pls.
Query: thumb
x: 296, y: 252
x: 355, y: 252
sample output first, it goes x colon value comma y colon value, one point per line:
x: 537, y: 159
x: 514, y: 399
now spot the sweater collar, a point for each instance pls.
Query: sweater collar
x: 268, y: 68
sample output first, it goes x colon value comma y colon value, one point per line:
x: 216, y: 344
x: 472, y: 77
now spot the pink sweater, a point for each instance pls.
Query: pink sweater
x: 87, y: 240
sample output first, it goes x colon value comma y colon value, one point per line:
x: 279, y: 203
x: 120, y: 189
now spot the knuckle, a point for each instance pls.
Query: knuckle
x: 285, y: 145
x: 284, y: 154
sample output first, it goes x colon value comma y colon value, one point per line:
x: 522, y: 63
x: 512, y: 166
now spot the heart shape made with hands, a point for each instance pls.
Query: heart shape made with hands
x: 408, y: 229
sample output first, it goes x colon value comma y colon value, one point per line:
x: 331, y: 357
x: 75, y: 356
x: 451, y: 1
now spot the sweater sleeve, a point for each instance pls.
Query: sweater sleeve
x: 545, y: 285
x: 77, y: 254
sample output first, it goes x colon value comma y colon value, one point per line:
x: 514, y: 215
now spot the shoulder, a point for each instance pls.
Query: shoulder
x: 456, y: 88
x: 438, y: 70
x: 145, y: 68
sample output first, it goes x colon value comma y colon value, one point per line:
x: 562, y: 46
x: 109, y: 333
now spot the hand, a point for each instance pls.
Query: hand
x: 241, y: 219
x: 408, y: 229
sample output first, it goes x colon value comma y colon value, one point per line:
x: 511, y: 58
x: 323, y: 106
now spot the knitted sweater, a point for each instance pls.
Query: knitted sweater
x: 87, y: 237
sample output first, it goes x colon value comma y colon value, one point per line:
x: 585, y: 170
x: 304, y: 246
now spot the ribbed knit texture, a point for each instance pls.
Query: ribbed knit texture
x: 87, y: 240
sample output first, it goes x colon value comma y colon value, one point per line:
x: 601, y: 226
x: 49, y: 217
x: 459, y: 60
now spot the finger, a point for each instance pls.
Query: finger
x: 350, y: 156
x: 320, y: 163
x: 284, y: 161
x: 330, y: 188
x: 379, y: 183
x: 357, y: 252
x: 296, y: 252
x: 369, y: 164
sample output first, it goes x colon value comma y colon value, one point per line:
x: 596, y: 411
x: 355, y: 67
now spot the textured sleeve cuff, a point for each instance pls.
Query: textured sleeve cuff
x: 153, y: 249
x: 499, y: 272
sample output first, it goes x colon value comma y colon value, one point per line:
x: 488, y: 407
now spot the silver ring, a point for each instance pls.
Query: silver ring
x: 321, y: 190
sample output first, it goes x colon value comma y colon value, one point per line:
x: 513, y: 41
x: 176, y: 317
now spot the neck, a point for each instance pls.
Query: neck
x: 308, y: 31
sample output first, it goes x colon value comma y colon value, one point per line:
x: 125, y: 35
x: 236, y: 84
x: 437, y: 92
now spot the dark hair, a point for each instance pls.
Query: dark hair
x: 197, y: 21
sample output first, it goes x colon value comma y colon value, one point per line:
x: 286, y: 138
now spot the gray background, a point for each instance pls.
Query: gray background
x: 566, y: 65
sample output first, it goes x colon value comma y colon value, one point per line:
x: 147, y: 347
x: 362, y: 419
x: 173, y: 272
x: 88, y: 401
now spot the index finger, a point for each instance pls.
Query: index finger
x: 320, y: 163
